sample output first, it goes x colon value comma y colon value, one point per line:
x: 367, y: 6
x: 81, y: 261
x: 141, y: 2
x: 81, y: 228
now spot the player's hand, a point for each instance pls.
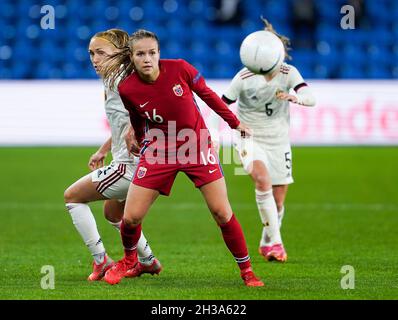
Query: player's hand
x: 135, y: 149
x: 244, y: 130
x: 96, y: 160
x: 285, y: 96
x: 131, y: 142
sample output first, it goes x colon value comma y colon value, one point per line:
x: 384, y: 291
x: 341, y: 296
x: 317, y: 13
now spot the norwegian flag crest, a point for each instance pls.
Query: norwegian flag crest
x: 141, y: 172
x: 178, y: 90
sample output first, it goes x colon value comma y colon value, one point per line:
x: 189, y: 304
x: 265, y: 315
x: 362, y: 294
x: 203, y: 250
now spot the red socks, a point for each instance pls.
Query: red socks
x: 235, y: 241
x: 231, y: 232
x: 130, y: 236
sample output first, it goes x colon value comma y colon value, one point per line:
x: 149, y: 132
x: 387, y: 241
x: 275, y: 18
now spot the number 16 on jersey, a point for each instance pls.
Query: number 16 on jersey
x: 209, y: 158
x: 155, y: 117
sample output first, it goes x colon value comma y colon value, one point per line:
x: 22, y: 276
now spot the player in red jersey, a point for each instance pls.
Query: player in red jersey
x: 173, y: 137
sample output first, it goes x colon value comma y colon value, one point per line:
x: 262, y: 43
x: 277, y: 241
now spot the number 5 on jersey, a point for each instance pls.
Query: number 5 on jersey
x: 155, y: 117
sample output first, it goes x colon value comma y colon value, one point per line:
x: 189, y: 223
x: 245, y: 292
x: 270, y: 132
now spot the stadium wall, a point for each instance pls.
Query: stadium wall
x: 41, y: 113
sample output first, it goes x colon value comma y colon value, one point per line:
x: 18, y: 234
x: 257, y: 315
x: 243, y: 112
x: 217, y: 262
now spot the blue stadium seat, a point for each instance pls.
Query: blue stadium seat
x: 20, y: 70
x: 305, y: 71
x: 328, y: 11
x: 249, y: 26
x: 303, y: 59
x: 70, y: 71
x: 6, y: 73
x: 272, y: 10
x: 322, y: 71
x: 378, y: 11
x: 187, y: 30
x: 378, y: 72
x: 351, y: 72
x: 221, y: 70
x: 24, y: 51
x: 172, y: 49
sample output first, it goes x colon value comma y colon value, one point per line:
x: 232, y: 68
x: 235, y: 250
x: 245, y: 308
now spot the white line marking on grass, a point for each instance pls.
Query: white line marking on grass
x: 194, y: 205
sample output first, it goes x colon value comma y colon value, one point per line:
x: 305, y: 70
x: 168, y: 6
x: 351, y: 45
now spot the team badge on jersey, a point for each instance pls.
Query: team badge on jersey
x: 141, y: 172
x: 178, y: 90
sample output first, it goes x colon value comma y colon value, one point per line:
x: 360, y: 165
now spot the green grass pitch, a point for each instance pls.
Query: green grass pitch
x: 341, y: 210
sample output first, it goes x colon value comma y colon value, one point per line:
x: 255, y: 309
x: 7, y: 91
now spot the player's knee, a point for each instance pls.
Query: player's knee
x: 132, y: 221
x: 112, y: 213
x: 111, y: 218
x: 69, y: 196
x: 221, y: 214
x: 72, y: 195
x: 261, y: 179
x: 262, y: 183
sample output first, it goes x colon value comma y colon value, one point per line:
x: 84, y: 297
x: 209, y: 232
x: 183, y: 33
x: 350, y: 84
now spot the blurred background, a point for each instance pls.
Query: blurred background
x: 352, y: 71
x: 205, y: 32
x: 342, y: 209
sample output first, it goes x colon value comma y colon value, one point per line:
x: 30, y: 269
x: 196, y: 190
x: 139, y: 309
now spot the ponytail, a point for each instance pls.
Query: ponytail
x: 119, y: 67
x: 285, y: 40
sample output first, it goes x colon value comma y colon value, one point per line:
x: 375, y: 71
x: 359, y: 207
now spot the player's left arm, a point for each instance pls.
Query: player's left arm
x: 198, y: 84
x: 303, y: 96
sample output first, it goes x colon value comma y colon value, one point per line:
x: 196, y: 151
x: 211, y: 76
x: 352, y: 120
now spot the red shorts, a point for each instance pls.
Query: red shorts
x: 160, y: 177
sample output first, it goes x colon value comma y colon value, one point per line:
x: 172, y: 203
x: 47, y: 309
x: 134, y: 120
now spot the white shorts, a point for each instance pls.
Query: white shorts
x: 114, y: 180
x: 277, y: 158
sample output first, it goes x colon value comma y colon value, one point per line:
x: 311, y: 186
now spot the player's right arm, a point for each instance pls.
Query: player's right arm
x: 232, y: 93
x: 98, y: 158
x: 229, y: 97
x: 198, y: 85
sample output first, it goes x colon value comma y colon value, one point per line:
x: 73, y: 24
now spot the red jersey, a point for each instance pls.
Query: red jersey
x: 168, y: 104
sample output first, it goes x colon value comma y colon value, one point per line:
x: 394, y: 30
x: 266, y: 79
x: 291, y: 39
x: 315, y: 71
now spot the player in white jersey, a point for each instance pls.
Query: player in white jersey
x: 111, y: 182
x: 263, y: 105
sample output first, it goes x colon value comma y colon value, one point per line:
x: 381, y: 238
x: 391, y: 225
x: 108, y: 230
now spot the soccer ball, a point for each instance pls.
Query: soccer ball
x: 262, y: 52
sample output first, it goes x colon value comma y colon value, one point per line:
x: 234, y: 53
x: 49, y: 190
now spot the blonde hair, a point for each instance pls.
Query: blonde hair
x: 285, y: 40
x: 120, y: 40
x: 122, y: 64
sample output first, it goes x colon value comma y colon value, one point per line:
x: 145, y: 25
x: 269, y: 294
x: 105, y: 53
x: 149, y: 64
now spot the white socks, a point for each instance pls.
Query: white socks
x: 281, y: 213
x: 144, y: 251
x: 85, y: 224
x: 269, y: 217
x: 116, y: 224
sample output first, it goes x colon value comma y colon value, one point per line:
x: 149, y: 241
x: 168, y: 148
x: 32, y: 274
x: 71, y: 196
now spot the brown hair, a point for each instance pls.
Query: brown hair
x: 142, y: 34
x: 122, y: 64
x: 285, y: 40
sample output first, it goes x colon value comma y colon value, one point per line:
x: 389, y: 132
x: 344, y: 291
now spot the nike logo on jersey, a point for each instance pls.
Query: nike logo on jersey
x: 211, y: 171
x: 143, y: 105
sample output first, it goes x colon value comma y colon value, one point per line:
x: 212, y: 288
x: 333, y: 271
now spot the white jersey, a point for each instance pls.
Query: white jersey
x: 119, y: 121
x: 258, y: 106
